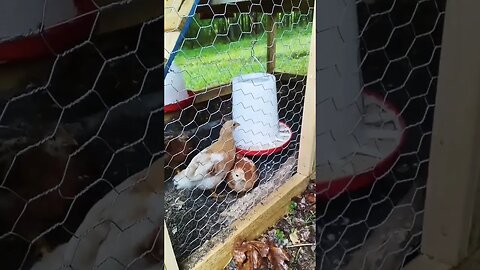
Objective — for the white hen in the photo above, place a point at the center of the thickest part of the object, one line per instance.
(118, 230)
(209, 167)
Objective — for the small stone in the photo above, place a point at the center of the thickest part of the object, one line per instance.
(303, 201)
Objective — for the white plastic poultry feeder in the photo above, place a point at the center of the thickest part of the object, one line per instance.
(32, 28)
(255, 108)
(358, 134)
(176, 96)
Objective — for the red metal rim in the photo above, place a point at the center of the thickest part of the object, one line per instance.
(352, 183)
(57, 38)
(181, 104)
(264, 152)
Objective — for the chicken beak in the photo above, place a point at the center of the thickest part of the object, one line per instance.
(236, 124)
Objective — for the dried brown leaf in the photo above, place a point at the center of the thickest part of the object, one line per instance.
(239, 256)
(250, 264)
(250, 255)
(278, 257)
(262, 248)
(310, 197)
(255, 255)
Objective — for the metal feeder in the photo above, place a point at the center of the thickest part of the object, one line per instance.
(359, 134)
(255, 108)
(35, 30)
(176, 96)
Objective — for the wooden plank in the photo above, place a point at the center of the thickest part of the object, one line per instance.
(226, 89)
(454, 170)
(306, 158)
(173, 22)
(228, 7)
(472, 263)
(223, 2)
(422, 262)
(259, 220)
(170, 260)
(475, 233)
(169, 41)
(271, 44)
(171, 5)
(217, 91)
(126, 15)
(16, 76)
(175, 15)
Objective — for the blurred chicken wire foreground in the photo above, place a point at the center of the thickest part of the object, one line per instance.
(378, 68)
(232, 132)
(81, 124)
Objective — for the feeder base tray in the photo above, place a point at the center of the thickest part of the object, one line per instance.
(383, 129)
(182, 104)
(268, 148)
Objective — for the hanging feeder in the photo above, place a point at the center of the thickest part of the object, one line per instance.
(255, 108)
(39, 28)
(176, 96)
(359, 134)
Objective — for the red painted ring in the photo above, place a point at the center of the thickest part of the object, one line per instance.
(352, 183)
(57, 38)
(181, 104)
(270, 151)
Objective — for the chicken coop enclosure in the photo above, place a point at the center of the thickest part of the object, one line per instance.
(81, 122)
(86, 180)
(245, 61)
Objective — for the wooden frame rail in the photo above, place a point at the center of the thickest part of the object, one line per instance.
(452, 220)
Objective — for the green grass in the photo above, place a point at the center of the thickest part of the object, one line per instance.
(218, 63)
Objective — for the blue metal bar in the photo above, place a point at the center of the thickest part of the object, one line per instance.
(183, 33)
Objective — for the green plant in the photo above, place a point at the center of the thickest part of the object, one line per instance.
(292, 207)
(310, 217)
(279, 234)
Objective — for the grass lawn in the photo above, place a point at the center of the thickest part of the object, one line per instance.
(218, 63)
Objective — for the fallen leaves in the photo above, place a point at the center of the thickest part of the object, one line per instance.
(277, 258)
(294, 237)
(256, 255)
(310, 197)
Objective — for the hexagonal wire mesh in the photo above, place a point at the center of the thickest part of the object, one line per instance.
(378, 63)
(244, 43)
(80, 115)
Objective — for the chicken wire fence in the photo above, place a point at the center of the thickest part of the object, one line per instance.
(81, 128)
(378, 66)
(246, 62)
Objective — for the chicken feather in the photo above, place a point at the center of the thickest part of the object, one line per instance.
(121, 226)
(209, 167)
